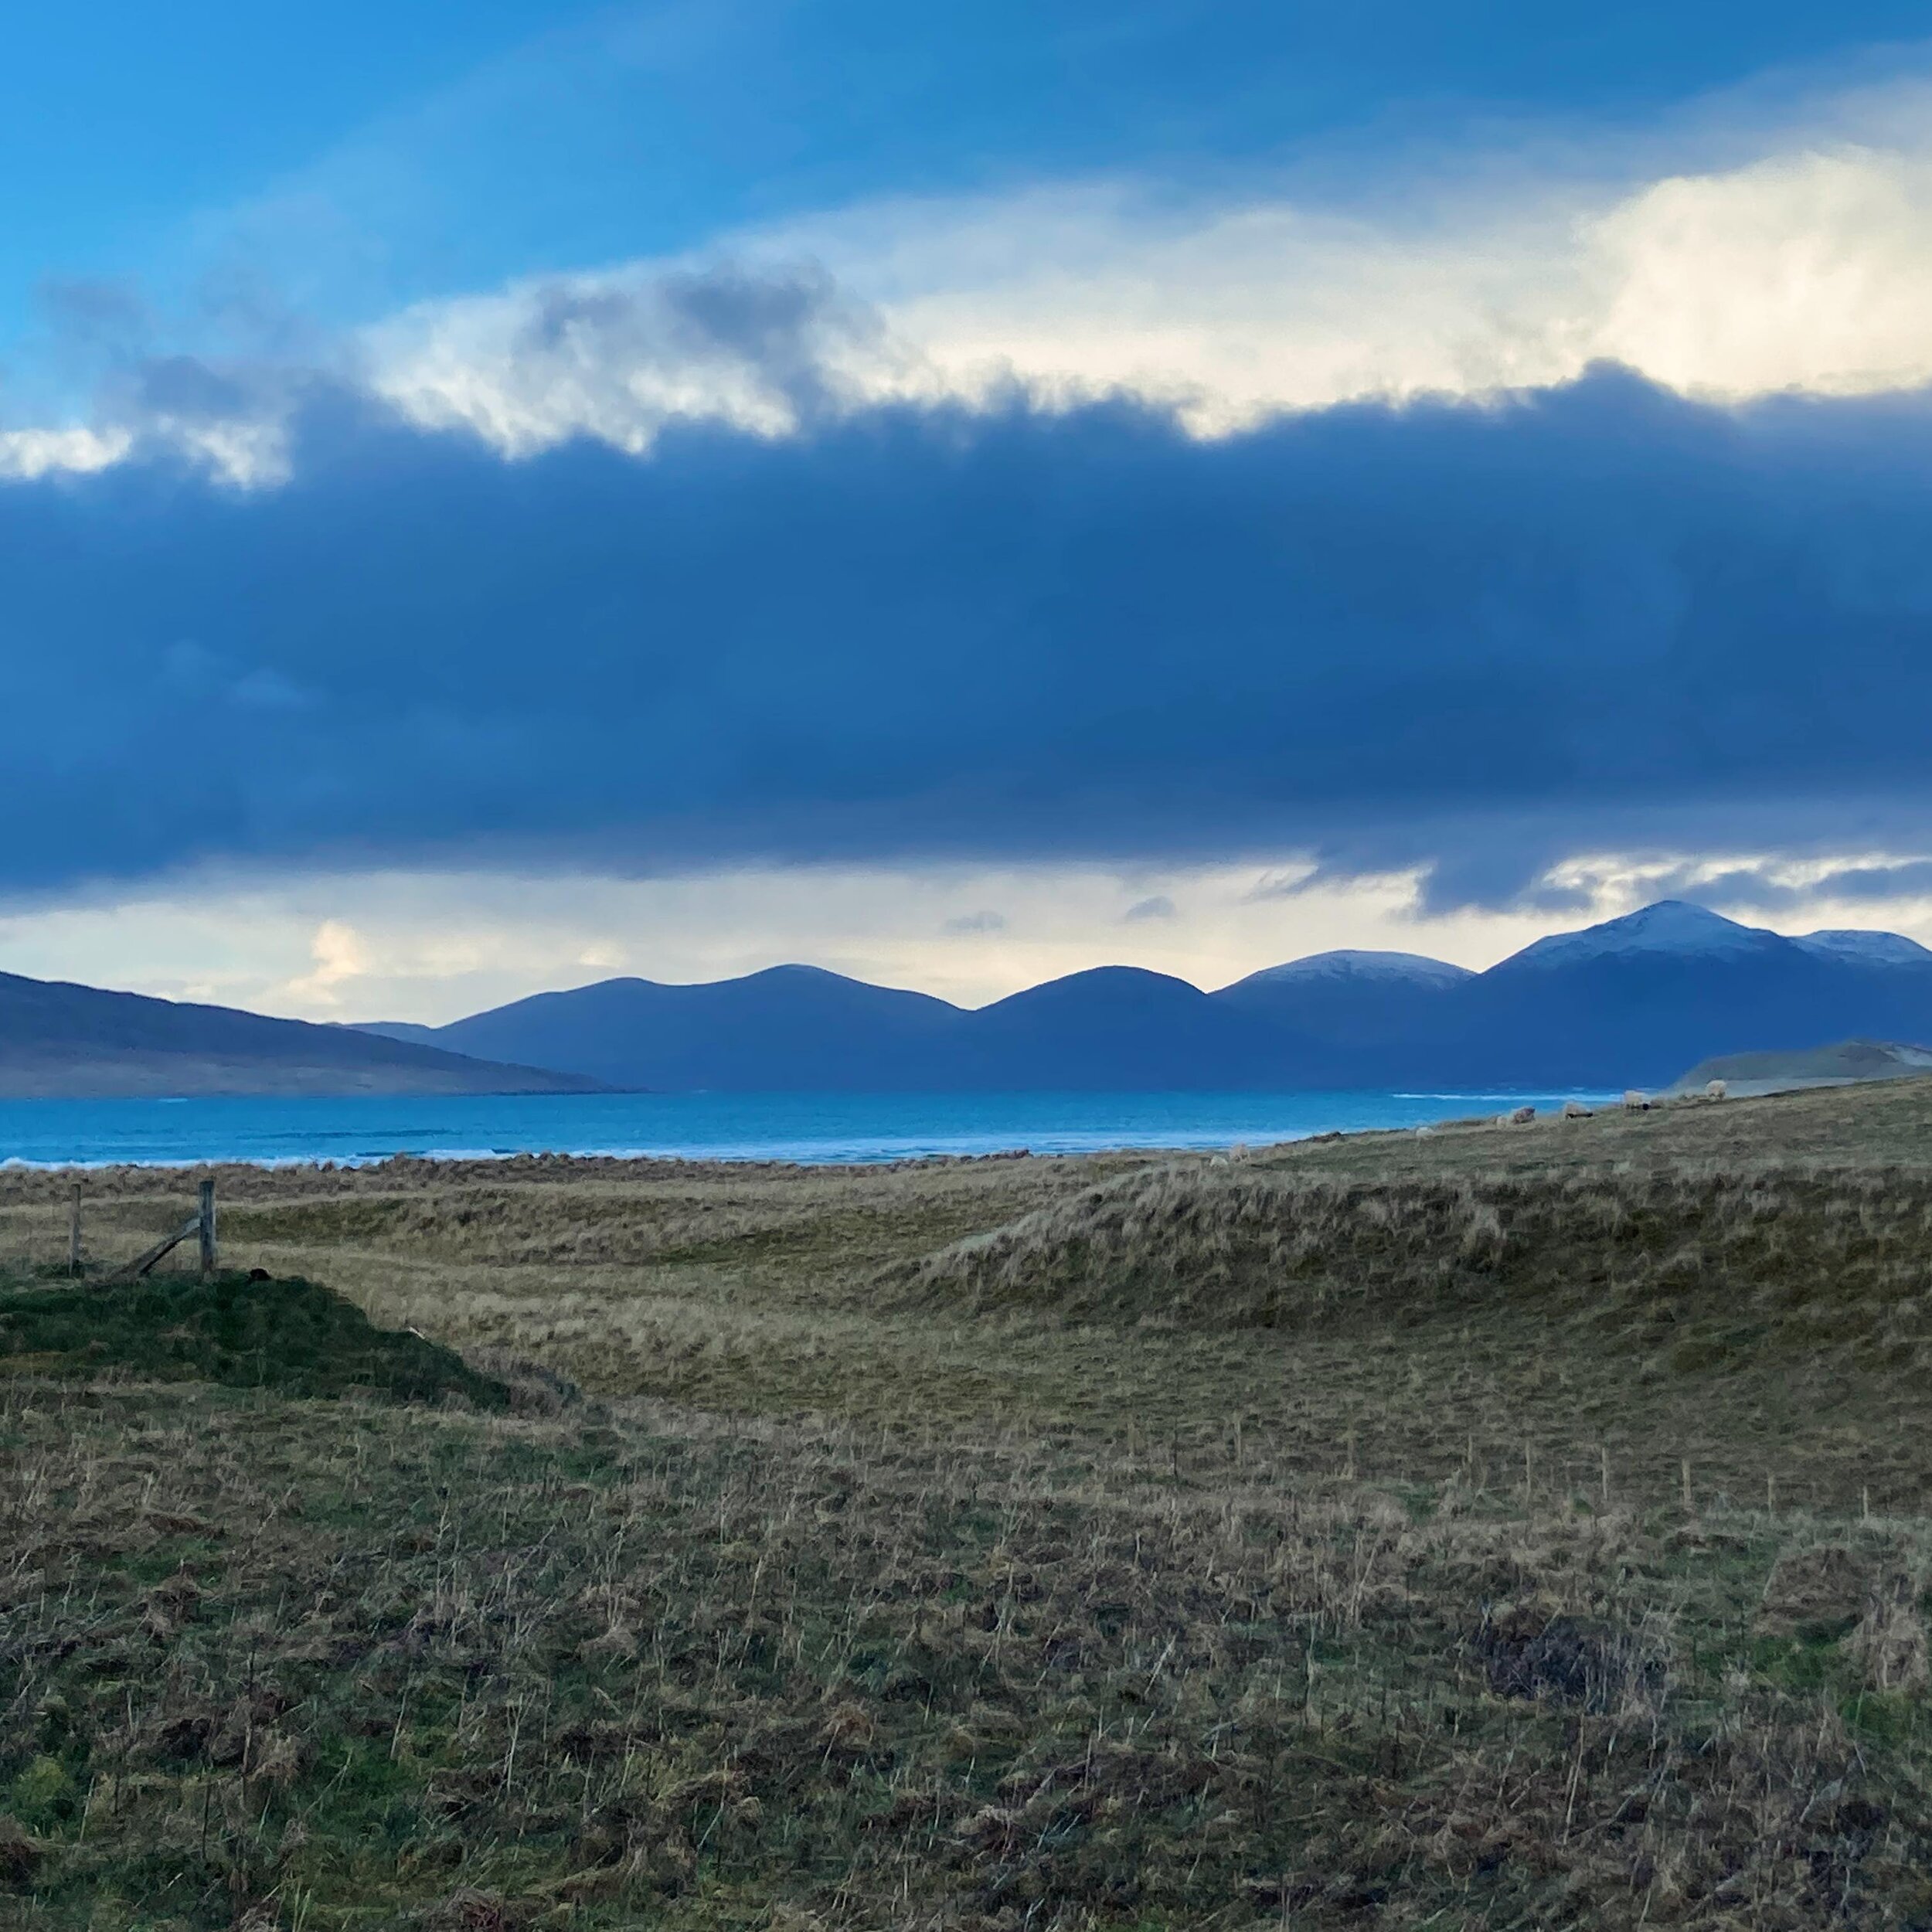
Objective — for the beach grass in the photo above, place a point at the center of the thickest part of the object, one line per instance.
(1498, 1527)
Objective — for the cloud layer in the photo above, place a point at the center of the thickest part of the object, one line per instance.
(1477, 636)
(1725, 265)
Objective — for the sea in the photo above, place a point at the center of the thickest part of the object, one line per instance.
(810, 1128)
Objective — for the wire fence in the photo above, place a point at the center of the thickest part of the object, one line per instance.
(75, 1235)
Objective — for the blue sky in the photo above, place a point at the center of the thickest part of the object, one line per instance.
(911, 488)
(350, 159)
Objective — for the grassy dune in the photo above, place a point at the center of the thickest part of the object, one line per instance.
(1492, 1527)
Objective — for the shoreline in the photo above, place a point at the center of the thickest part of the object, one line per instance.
(793, 1130)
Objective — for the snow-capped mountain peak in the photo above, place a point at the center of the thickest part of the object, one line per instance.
(1412, 969)
(1670, 926)
(1873, 948)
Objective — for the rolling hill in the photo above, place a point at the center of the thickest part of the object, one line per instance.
(60, 1040)
(1363, 998)
(790, 1027)
(1842, 1065)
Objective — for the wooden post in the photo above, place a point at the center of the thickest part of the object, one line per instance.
(74, 1232)
(207, 1229)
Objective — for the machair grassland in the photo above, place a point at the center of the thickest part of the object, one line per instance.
(1495, 1528)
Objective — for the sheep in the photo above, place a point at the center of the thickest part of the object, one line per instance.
(1522, 1117)
(1717, 1090)
(1637, 1103)
(1575, 1111)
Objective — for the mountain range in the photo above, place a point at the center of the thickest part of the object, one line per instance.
(1631, 1001)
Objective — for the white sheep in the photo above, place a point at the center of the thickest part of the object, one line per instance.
(1717, 1090)
(1636, 1103)
(1575, 1111)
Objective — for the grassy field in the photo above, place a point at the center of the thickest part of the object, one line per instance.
(1494, 1527)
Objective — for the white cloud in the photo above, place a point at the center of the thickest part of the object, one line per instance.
(610, 356)
(340, 955)
(27, 454)
(1811, 271)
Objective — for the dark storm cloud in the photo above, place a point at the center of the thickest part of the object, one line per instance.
(1475, 637)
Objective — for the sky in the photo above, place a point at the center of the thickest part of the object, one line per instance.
(494, 496)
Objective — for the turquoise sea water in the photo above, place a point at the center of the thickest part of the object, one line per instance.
(735, 1126)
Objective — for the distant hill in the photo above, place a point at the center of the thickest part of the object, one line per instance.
(790, 1027)
(60, 1040)
(403, 1029)
(1630, 1002)
(1118, 1027)
(1874, 949)
(1840, 1065)
(1361, 999)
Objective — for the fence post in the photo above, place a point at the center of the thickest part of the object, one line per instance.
(74, 1232)
(207, 1229)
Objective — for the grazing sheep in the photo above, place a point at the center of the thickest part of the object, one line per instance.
(1522, 1117)
(1574, 1110)
(1717, 1090)
(1637, 1103)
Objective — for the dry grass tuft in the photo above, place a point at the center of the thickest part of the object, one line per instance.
(1888, 1644)
(1824, 1260)
(1818, 1590)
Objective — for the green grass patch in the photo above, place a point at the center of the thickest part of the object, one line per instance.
(294, 1337)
